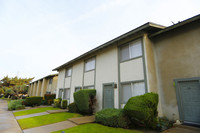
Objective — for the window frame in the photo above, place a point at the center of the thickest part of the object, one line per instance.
(129, 50)
(77, 88)
(67, 72)
(86, 87)
(50, 81)
(87, 61)
(65, 95)
(131, 83)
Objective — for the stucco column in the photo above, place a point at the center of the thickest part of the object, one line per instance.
(44, 87)
(38, 88)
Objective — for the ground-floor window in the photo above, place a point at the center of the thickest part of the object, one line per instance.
(60, 93)
(131, 89)
(66, 94)
(77, 88)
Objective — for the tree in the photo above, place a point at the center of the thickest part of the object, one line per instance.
(14, 86)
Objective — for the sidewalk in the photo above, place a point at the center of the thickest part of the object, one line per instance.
(51, 127)
(8, 123)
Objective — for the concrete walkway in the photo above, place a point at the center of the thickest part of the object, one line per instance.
(8, 123)
(51, 127)
(182, 129)
(82, 120)
(31, 115)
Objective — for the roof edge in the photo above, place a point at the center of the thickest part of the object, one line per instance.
(179, 24)
(140, 28)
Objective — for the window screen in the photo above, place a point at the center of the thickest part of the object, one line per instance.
(131, 50)
(132, 89)
(124, 53)
(90, 64)
(68, 72)
(66, 94)
(135, 49)
(126, 93)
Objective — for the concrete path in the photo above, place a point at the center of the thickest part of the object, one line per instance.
(57, 111)
(8, 123)
(51, 127)
(182, 129)
(82, 120)
(31, 115)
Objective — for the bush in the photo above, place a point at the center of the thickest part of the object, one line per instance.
(49, 98)
(85, 100)
(164, 124)
(18, 106)
(32, 101)
(73, 108)
(112, 117)
(142, 110)
(57, 103)
(15, 104)
(64, 104)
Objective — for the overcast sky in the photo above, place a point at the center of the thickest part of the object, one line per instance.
(37, 36)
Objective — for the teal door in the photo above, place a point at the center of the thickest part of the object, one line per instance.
(108, 96)
(189, 101)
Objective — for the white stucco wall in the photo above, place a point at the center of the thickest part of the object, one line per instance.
(132, 70)
(106, 72)
(67, 82)
(89, 78)
(77, 78)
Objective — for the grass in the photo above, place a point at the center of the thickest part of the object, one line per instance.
(96, 128)
(33, 111)
(45, 119)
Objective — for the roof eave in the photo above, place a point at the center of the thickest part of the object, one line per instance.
(138, 29)
(184, 22)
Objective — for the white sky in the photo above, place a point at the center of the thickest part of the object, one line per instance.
(37, 36)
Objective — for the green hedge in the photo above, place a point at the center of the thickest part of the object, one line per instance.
(49, 98)
(57, 103)
(142, 110)
(73, 108)
(64, 104)
(15, 104)
(34, 100)
(84, 99)
(112, 117)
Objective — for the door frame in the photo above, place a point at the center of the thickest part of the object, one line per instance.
(113, 86)
(178, 96)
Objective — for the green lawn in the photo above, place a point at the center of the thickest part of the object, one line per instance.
(45, 119)
(33, 111)
(96, 128)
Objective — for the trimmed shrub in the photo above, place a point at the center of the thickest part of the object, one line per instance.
(49, 98)
(57, 103)
(15, 104)
(64, 104)
(112, 117)
(32, 101)
(142, 110)
(164, 124)
(18, 106)
(85, 100)
(73, 108)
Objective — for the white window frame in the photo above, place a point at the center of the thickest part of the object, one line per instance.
(88, 63)
(135, 42)
(89, 87)
(68, 72)
(132, 86)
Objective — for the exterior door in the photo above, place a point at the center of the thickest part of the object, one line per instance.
(189, 101)
(108, 96)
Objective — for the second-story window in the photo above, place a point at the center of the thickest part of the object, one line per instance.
(68, 72)
(131, 50)
(50, 81)
(90, 64)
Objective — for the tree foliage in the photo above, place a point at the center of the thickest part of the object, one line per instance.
(14, 86)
